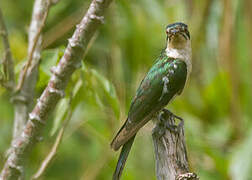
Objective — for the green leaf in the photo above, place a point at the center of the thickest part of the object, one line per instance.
(106, 92)
(78, 93)
(102, 89)
(64, 105)
(60, 114)
(49, 59)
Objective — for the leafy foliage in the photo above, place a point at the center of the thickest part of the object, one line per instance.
(216, 104)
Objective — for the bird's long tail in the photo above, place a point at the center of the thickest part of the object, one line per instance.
(122, 158)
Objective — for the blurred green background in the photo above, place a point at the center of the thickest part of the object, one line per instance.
(216, 104)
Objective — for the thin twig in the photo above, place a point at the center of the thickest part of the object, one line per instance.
(70, 61)
(50, 156)
(24, 98)
(8, 80)
(62, 27)
(36, 38)
(55, 147)
(91, 42)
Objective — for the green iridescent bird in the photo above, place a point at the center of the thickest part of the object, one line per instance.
(163, 82)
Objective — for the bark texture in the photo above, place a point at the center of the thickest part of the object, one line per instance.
(170, 150)
(70, 61)
(23, 98)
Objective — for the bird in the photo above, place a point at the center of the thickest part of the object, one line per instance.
(165, 80)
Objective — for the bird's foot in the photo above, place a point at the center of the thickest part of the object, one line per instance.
(167, 118)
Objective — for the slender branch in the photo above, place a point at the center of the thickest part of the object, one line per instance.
(170, 150)
(40, 23)
(23, 99)
(8, 80)
(50, 156)
(70, 61)
(55, 147)
(62, 27)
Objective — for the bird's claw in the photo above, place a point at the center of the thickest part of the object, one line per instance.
(171, 127)
(160, 132)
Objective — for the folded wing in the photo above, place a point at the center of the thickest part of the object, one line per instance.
(164, 80)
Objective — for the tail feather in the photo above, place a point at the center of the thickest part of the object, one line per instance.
(122, 158)
(114, 143)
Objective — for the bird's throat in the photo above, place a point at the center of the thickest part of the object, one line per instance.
(183, 54)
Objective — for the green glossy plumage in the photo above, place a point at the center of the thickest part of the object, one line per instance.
(152, 95)
(165, 79)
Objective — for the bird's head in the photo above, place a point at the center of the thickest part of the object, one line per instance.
(178, 36)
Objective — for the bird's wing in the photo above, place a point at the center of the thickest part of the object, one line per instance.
(164, 80)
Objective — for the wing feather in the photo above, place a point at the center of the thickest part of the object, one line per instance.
(164, 80)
